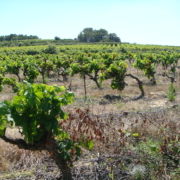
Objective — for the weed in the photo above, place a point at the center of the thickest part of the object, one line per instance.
(171, 93)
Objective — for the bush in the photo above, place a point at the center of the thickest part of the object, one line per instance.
(170, 94)
(51, 49)
(123, 50)
(57, 38)
(32, 52)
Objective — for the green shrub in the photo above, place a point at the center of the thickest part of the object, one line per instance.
(171, 93)
(51, 49)
(32, 52)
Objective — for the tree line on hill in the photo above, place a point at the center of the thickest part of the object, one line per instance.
(93, 35)
(87, 35)
(13, 37)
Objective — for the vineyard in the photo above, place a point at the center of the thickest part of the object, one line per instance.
(111, 110)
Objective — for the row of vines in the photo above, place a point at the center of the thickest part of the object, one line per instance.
(95, 62)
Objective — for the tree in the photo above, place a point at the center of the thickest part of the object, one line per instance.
(113, 37)
(81, 37)
(13, 37)
(90, 35)
(57, 38)
(2, 38)
(99, 35)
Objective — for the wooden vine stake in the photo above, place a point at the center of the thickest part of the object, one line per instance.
(85, 92)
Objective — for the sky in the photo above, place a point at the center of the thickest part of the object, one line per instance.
(134, 21)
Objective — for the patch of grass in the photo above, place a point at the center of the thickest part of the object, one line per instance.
(14, 159)
(119, 105)
(171, 93)
(16, 174)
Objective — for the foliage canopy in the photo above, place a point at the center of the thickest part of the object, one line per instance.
(91, 35)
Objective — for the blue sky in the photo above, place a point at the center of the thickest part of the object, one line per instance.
(134, 21)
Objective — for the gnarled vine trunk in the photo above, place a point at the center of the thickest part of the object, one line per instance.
(140, 84)
(51, 147)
